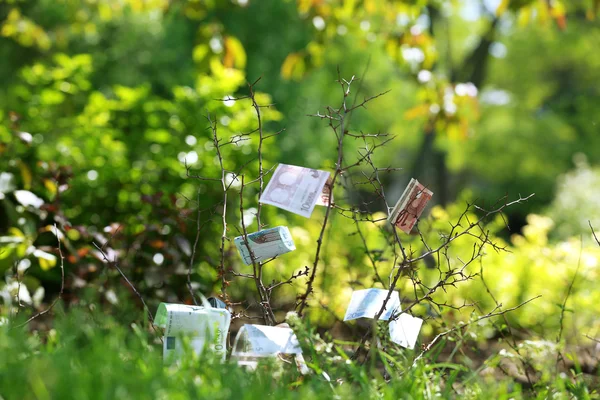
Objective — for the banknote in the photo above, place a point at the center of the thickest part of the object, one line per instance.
(265, 244)
(410, 206)
(254, 342)
(405, 329)
(295, 189)
(366, 303)
(265, 341)
(326, 193)
(206, 327)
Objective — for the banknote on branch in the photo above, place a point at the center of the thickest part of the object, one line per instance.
(367, 303)
(326, 194)
(409, 208)
(265, 244)
(259, 341)
(205, 326)
(405, 329)
(295, 189)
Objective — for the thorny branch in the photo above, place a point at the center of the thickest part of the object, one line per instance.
(193, 256)
(221, 270)
(115, 264)
(512, 343)
(219, 143)
(259, 151)
(491, 314)
(407, 262)
(594, 233)
(336, 119)
(62, 283)
(405, 259)
(265, 300)
(563, 307)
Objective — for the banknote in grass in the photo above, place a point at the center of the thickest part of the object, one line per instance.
(256, 342)
(204, 326)
(410, 206)
(297, 189)
(265, 244)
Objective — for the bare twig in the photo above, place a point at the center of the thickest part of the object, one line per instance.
(563, 307)
(491, 314)
(288, 281)
(225, 187)
(193, 256)
(592, 339)
(263, 293)
(62, 283)
(337, 123)
(115, 264)
(259, 151)
(594, 233)
(511, 339)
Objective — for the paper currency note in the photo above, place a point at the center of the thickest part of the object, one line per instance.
(405, 330)
(265, 244)
(265, 341)
(367, 303)
(295, 189)
(206, 327)
(326, 193)
(410, 206)
(254, 342)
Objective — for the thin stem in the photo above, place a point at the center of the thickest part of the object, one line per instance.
(193, 256)
(259, 152)
(265, 301)
(62, 283)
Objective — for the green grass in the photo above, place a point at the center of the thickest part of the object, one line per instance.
(89, 355)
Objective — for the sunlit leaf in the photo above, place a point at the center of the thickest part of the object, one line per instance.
(235, 55)
(51, 186)
(416, 112)
(46, 260)
(502, 7)
(200, 52)
(158, 135)
(7, 183)
(293, 66)
(27, 198)
(5, 251)
(25, 174)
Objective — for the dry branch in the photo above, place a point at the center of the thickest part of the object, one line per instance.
(62, 283)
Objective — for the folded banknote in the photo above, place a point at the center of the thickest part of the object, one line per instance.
(410, 206)
(206, 328)
(265, 244)
(405, 329)
(367, 303)
(254, 342)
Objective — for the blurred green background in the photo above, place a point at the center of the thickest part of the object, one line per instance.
(102, 102)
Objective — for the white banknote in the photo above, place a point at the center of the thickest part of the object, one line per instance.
(254, 342)
(265, 244)
(366, 303)
(295, 189)
(206, 327)
(264, 341)
(405, 330)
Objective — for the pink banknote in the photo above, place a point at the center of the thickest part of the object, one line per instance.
(409, 208)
